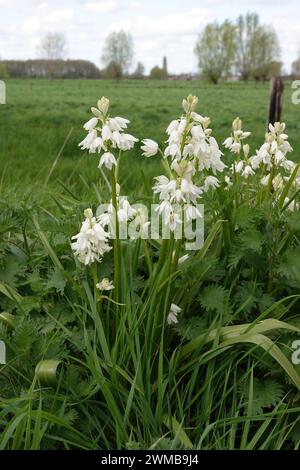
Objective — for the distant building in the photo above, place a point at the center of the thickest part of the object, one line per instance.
(232, 78)
(182, 76)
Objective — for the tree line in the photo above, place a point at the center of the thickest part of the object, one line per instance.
(244, 49)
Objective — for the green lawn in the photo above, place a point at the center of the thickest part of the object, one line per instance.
(40, 113)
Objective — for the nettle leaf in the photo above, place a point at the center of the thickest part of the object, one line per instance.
(267, 393)
(59, 239)
(71, 416)
(246, 294)
(265, 301)
(292, 220)
(35, 281)
(215, 298)
(30, 303)
(207, 269)
(56, 281)
(234, 257)
(24, 336)
(252, 294)
(289, 267)
(295, 433)
(216, 272)
(251, 240)
(246, 216)
(11, 270)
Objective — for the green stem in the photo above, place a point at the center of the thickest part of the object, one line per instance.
(248, 192)
(116, 242)
(95, 279)
(270, 181)
(148, 259)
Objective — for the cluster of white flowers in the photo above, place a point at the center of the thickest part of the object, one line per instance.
(191, 149)
(91, 243)
(273, 152)
(271, 157)
(106, 134)
(278, 182)
(235, 145)
(139, 226)
(190, 139)
(234, 142)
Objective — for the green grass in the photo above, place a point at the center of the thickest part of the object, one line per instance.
(40, 113)
(85, 372)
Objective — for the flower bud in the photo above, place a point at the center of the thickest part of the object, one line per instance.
(190, 103)
(237, 124)
(246, 150)
(103, 105)
(96, 112)
(205, 122)
(88, 213)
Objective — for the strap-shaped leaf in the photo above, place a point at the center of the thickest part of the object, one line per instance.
(46, 371)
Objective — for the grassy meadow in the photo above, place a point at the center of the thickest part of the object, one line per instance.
(40, 113)
(180, 349)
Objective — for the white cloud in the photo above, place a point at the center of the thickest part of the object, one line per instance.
(53, 21)
(59, 16)
(109, 6)
(43, 6)
(31, 25)
(175, 24)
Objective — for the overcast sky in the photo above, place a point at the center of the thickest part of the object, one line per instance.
(158, 27)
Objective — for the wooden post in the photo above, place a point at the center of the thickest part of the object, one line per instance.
(275, 108)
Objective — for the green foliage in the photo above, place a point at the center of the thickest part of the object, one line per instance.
(267, 393)
(215, 50)
(3, 71)
(221, 378)
(215, 298)
(158, 73)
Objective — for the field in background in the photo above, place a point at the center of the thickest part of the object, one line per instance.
(40, 113)
(111, 372)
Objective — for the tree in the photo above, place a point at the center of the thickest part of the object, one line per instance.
(3, 71)
(296, 67)
(257, 49)
(265, 50)
(113, 70)
(41, 68)
(247, 27)
(53, 46)
(157, 73)
(215, 50)
(118, 49)
(165, 65)
(139, 71)
(275, 68)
